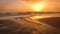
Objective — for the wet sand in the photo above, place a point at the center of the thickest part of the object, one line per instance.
(53, 21)
(12, 27)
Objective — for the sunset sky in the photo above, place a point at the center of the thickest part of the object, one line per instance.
(25, 5)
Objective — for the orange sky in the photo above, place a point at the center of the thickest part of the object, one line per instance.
(24, 5)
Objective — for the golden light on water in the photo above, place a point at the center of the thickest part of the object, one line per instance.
(38, 6)
(39, 17)
(35, 17)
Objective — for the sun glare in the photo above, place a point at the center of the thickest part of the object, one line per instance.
(38, 6)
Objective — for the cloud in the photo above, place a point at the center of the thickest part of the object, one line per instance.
(9, 4)
(20, 5)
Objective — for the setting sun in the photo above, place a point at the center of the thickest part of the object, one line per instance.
(37, 6)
